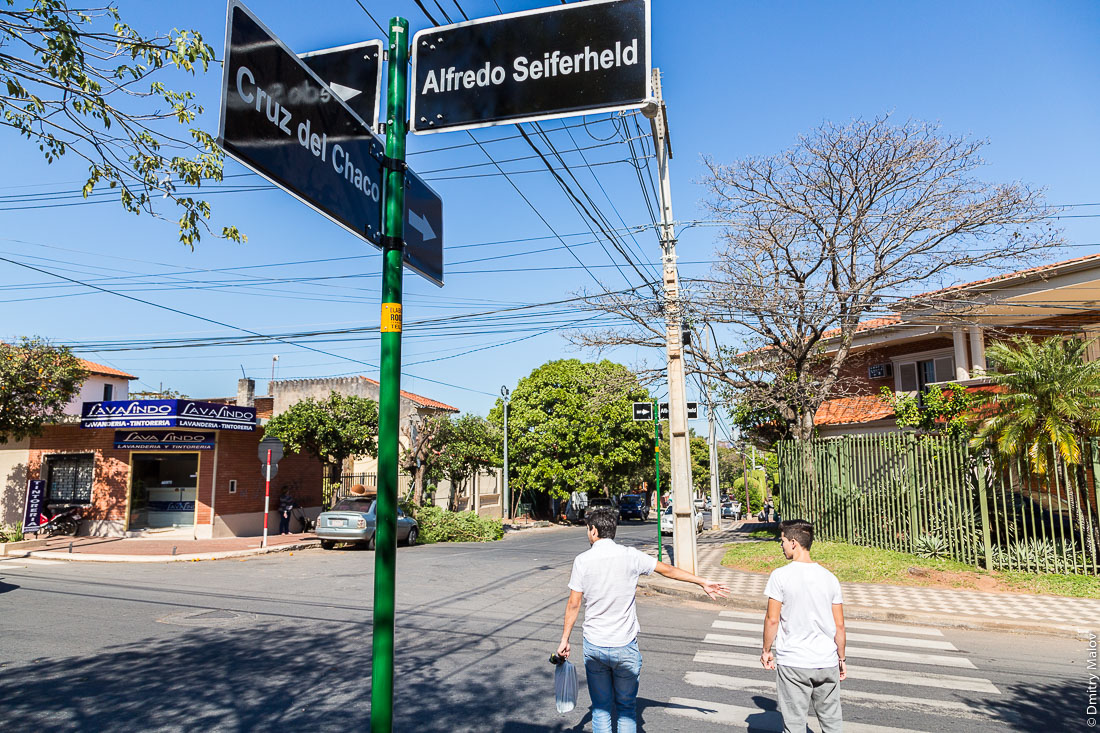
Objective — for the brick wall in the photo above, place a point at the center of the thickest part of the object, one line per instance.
(238, 459)
(111, 474)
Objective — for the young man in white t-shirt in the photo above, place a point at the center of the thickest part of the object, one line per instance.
(805, 620)
(606, 578)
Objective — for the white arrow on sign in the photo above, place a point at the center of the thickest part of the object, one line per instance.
(422, 225)
(343, 92)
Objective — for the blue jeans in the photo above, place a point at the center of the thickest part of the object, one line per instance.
(612, 673)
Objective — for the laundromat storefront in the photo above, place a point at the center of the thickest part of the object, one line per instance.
(148, 465)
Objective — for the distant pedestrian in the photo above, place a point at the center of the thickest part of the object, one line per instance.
(805, 620)
(286, 506)
(606, 578)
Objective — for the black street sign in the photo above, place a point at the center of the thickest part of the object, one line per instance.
(643, 410)
(276, 447)
(692, 410)
(559, 61)
(353, 73)
(423, 228)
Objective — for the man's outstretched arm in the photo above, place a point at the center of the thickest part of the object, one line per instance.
(712, 589)
(572, 609)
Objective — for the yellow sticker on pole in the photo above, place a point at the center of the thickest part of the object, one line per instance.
(391, 317)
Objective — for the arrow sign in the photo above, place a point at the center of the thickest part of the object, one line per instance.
(354, 73)
(423, 228)
(643, 410)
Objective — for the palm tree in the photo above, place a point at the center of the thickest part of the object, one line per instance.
(1047, 398)
(1046, 403)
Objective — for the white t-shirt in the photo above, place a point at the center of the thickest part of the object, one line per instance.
(607, 575)
(806, 627)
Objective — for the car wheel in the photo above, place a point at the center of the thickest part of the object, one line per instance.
(327, 544)
(369, 544)
(411, 539)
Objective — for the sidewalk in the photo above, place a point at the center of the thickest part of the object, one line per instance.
(943, 607)
(158, 549)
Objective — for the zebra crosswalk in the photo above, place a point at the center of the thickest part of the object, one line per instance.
(919, 678)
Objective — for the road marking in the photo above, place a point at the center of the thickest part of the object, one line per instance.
(873, 674)
(760, 720)
(849, 696)
(865, 625)
(888, 655)
(871, 638)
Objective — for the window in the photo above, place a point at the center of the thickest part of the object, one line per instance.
(913, 376)
(69, 479)
(108, 392)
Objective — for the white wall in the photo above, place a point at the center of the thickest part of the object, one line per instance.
(13, 480)
(92, 391)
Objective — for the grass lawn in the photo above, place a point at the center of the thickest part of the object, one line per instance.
(854, 564)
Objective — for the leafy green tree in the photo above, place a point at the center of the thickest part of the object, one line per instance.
(758, 487)
(571, 429)
(700, 462)
(1046, 400)
(83, 82)
(937, 410)
(37, 381)
(465, 445)
(331, 430)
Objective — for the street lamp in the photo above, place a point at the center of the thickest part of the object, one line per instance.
(507, 509)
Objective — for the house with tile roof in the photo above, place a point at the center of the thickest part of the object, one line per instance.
(940, 337)
(103, 383)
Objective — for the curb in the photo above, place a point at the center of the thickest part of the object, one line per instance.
(874, 613)
(90, 557)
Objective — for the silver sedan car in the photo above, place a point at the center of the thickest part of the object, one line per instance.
(352, 520)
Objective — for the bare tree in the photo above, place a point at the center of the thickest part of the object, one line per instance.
(415, 458)
(821, 236)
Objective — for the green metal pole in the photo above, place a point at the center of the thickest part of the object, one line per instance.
(389, 391)
(657, 459)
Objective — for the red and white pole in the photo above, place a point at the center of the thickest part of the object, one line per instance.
(267, 496)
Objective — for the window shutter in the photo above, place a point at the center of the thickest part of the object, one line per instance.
(945, 369)
(908, 374)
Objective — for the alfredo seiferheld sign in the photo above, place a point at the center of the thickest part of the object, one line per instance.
(559, 61)
(167, 414)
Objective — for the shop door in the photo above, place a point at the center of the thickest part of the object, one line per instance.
(163, 490)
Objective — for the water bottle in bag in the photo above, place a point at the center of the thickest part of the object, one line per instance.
(565, 683)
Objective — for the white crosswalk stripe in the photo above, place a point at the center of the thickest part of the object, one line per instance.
(865, 625)
(885, 655)
(892, 690)
(853, 636)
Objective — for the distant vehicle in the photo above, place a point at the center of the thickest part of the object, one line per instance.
(633, 506)
(667, 521)
(731, 510)
(353, 520)
(602, 501)
(698, 504)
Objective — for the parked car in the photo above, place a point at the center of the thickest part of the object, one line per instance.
(633, 506)
(352, 520)
(667, 521)
(731, 510)
(698, 504)
(601, 501)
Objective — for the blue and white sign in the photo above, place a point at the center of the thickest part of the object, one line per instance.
(163, 440)
(167, 414)
(32, 510)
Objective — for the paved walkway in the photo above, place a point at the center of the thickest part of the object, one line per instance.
(941, 606)
(161, 549)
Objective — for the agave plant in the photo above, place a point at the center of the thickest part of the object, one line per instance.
(930, 545)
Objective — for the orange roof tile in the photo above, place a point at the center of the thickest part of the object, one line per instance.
(1009, 275)
(866, 325)
(94, 368)
(850, 410)
(422, 401)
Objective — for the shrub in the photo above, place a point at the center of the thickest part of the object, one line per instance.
(11, 532)
(930, 545)
(439, 525)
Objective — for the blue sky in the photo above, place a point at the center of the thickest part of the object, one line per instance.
(741, 79)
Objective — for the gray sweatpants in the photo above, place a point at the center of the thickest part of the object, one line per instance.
(796, 687)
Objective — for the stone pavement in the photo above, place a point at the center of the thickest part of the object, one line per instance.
(1022, 612)
(164, 548)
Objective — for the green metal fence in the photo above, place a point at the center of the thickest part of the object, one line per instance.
(934, 496)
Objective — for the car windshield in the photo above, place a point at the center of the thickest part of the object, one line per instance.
(631, 500)
(365, 506)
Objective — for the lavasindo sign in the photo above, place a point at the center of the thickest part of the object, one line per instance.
(163, 440)
(565, 60)
(167, 414)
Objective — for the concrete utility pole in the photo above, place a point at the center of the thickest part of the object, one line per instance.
(683, 528)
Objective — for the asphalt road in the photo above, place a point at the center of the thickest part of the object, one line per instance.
(283, 641)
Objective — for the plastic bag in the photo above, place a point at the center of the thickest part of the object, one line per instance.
(565, 686)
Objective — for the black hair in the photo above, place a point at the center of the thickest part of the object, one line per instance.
(798, 530)
(604, 519)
